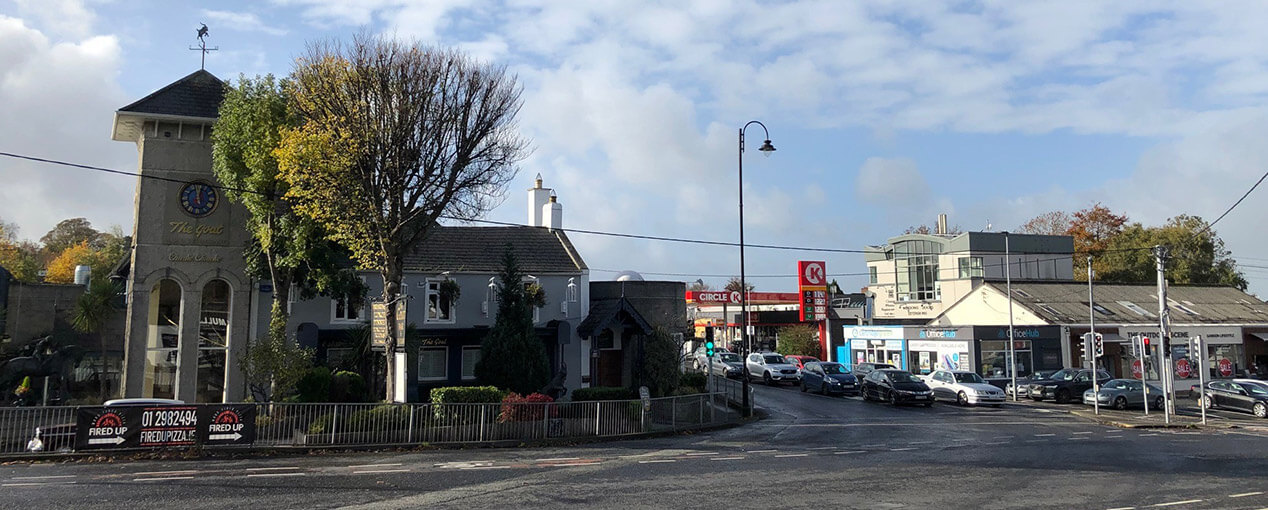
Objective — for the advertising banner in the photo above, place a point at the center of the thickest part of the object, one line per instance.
(162, 426)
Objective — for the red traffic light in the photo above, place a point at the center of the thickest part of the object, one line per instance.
(1146, 339)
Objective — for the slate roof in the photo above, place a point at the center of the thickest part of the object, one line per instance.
(196, 95)
(1066, 303)
(479, 250)
(606, 311)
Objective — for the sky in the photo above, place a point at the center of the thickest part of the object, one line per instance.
(884, 113)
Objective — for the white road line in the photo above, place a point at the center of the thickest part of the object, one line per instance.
(1244, 494)
(44, 477)
(162, 478)
(1173, 503)
(33, 484)
(1153, 434)
(154, 473)
(697, 454)
(359, 466)
(585, 463)
(272, 475)
(280, 468)
(900, 449)
(849, 452)
(554, 459)
(1078, 433)
(657, 461)
(1078, 438)
(1124, 508)
(375, 471)
(791, 455)
(729, 458)
(1044, 435)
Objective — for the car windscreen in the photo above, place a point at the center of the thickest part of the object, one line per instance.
(772, 359)
(1256, 389)
(902, 377)
(728, 357)
(834, 368)
(968, 377)
(1064, 375)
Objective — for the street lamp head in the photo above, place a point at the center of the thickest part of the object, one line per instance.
(766, 148)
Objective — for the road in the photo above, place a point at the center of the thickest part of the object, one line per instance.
(812, 451)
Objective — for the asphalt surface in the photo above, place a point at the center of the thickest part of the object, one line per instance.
(811, 451)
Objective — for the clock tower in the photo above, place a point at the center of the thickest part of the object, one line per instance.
(188, 292)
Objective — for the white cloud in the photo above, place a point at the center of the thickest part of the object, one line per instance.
(240, 21)
(60, 18)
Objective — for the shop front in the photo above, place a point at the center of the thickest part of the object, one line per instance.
(932, 349)
(1225, 352)
(1036, 348)
(873, 344)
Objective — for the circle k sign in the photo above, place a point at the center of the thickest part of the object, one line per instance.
(813, 273)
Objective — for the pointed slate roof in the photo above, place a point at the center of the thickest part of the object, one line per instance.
(605, 312)
(479, 250)
(197, 95)
(1066, 303)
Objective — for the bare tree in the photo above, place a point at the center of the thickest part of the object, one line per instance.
(392, 137)
(1056, 223)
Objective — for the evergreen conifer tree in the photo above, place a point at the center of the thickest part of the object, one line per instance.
(512, 357)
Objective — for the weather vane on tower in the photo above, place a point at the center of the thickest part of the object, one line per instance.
(202, 45)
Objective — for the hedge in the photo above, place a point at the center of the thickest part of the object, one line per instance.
(692, 380)
(467, 395)
(603, 393)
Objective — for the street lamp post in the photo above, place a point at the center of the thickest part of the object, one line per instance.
(766, 149)
(1008, 284)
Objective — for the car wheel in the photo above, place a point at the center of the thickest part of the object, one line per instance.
(1063, 396)
(803, 386)
(962, 399)
(1159, 403)
(928, 404)
(823, 389)
(1207, 402)
(1120, 403)
(863, 393)
(1260, 409)
(767, 379)
(893, 399)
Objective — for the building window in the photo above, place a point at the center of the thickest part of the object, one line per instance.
(341, 311)
(163, 340)
(995, 358)
(433, 364)
(340, 357)
(213, 341)
(470, 356)
(871, 275)
(971, 267)
(440, 308)
(916, 269)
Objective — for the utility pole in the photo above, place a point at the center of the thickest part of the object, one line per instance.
(1008, 284)
(1091, 326)
(1160, 256)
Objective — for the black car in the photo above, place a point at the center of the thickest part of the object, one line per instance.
(827, 377)
(896, 387)
(1240, 395)
(862, 369)
(1066, 385)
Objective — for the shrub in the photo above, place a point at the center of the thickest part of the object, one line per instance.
(384, 417)
(693, 380)
(603, 393)
(467, 395)
(348, 386)
(518, 408)
(314, 385)
(687, 390)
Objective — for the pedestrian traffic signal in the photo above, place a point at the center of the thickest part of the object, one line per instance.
(708, 341)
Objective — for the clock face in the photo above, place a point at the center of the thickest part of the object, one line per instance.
(199, 198)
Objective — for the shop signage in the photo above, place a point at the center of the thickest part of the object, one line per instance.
(1136, 370)
(712, 296)
(934, 345)
(378, 325)
(161, 426)
(1182, 368)
(1210, 334)
(879, 332)
(937, 333)
(1018, 333)
(1226, 367)
(812, 287)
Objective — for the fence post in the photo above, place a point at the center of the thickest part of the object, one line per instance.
(409, 438)
(700, 404)
(546, 423)
(334, 423)
(482, 408)
(673, 413)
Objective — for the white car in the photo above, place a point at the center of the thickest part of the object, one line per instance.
(964, 388)
(700, 359)
(771, 368)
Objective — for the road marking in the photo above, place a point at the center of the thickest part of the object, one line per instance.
(1078, 433)
(162, 478)
(375, 471)
(359, 466)
(791, 455)
(920, 442)
(762, 451)
(849, 452)
(1173, 503)
(33, 484)
(1244, 494)
(1124, 508)
(900, 449)
(43, 477)
(581, 463)
(728, 458)
(658, 461)
(273, 468)
(554, 459)
(697, 454)
(1153, 434)
(154, 473)
(1044, 435)
(1078, 439)
(272, 475)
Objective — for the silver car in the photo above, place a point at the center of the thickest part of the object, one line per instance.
(700, 360)
(771, 368)
(1124, 393)
(726, 364)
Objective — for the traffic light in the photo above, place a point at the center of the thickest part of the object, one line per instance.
(1166, 346)
(1149, 349)
(708, 342)
(1135, 349)
(1099, 345)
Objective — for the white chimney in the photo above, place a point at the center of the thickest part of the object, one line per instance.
(83, 274)
(553, 213)
(942, 224)
(537, 198)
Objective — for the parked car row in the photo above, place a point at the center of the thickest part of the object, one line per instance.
(1124, 393)
(1246, 395)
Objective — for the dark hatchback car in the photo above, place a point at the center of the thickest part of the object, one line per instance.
(896, 387)
(862, 369)
(828, 377)
(1066, 385)
(1238, 395)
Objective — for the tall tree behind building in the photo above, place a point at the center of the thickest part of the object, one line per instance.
(512, 357)
(392, 137)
